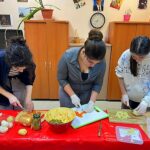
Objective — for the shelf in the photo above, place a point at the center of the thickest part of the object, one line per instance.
(81, 44)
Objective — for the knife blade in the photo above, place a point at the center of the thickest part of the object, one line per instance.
(23, 108)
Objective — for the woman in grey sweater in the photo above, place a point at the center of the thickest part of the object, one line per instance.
(81, 71)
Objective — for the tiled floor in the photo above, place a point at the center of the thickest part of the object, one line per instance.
(45, 105)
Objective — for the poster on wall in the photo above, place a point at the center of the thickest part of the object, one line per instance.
(1, 0)
(23, 11)
(98, 5)
(22, 0)
(142, 4)
(116, 4)
(79, 3)
(5, 20)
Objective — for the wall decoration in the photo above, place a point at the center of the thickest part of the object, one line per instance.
(116, 4)
(5, 20)
(97, 20)
(1, 0)
(23, 11)
(142, 4)
(98, 5)
(102, 5)
(79, 3)
(22, 0)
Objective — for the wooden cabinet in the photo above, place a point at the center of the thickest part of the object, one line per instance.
(120, 36)
(47, 40)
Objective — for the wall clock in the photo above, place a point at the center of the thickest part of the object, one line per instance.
(97, 20)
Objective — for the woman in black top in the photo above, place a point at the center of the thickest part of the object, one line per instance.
(17, 74)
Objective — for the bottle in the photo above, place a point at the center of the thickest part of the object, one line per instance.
(36, 122)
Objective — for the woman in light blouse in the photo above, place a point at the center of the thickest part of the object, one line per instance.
(133, 72)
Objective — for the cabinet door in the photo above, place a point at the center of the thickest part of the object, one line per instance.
(58, 35)
(35, 33)
(143, 29)
(121, 35)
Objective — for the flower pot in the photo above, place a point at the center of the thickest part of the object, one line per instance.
(126, 18)
(47, 13)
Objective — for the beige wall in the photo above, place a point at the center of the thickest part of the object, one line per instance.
(103, 92)
(78, 18)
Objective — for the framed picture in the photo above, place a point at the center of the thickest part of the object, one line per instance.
(5, 20)
(142, 4)
(79, 3)
(116, 4)
(23, 11)
(1, 0)
(22, 0)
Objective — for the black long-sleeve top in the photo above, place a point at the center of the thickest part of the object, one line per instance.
(27, 77)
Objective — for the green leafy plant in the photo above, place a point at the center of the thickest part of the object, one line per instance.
(128, 11)
(34, 10)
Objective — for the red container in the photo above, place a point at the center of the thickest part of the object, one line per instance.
(60, 128)
(127, 18)
(47, 13)
(60, 119)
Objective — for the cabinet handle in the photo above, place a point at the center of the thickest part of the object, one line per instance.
(50, 64)
(45, 64)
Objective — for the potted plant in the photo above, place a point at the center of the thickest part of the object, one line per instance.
(127, 15)
(41, 7)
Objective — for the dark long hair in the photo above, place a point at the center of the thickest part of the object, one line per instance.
(94, 46)
(18, 53)
(140, 46)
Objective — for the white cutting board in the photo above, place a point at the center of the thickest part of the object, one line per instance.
(88, 118)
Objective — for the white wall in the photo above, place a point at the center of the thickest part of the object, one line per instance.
(78, 18)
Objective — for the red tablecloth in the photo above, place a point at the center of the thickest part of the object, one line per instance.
(84, 138)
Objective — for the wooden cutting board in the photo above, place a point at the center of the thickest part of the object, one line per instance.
(141, 120)
(131, 118)
(144, 126)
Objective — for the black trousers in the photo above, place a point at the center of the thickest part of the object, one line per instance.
(132, 105)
